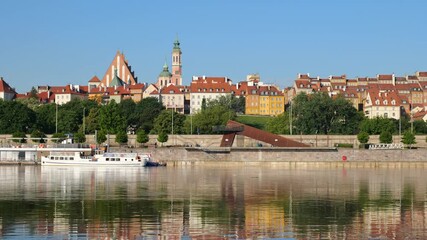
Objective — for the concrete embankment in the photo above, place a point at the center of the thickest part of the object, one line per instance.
(279, 156)
(296, 156)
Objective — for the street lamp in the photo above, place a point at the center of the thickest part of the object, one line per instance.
(84, 127)
(172, 120)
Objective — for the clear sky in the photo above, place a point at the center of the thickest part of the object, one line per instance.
(55, 42)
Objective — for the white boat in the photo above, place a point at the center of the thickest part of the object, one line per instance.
(91, 157)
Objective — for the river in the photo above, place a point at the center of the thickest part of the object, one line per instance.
(213, 202)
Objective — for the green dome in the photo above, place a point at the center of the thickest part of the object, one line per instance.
(165, 72)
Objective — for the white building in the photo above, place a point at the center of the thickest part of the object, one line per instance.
(208, 88)
(382, 104)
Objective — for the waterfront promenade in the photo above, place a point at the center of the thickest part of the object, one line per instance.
(181, 149)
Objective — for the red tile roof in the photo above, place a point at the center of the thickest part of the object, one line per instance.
(385, 76)
(303, 76)
(94, 79)
(210, 85)
(4, 87)
(137, 86)
(171, 89)
(384, 98)
(422, 74)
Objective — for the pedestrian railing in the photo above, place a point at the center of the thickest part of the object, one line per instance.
(386, 146)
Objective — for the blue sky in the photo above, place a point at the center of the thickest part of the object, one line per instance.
(59, 42)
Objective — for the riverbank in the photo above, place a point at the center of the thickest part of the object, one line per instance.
(273, 155)
(276, 155)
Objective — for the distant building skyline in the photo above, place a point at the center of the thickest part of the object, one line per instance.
(46, 43)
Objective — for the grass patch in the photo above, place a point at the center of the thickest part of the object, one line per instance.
(344, 145)
(254, 121)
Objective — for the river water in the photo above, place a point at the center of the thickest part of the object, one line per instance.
(212, 202)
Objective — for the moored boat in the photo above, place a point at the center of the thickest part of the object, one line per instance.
(93, 157)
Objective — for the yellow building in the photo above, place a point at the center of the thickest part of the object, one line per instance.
(264, 100)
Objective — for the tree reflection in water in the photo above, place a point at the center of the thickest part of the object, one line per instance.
(212, 202)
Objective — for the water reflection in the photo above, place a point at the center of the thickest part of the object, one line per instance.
(212, 202)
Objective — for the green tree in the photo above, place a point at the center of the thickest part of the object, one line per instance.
(58, 137)
(146, 111)
(33, 93)
(91, 121)
(46, 117)
(163, 122)
(79, 137)
(386, 137)
(203, 121)
(377, 125)
(38, 137)
(121, 137)
(420, 127)
(101, 136)
(15, 117)
(237, 104)
(19, 137)
(408, 138)
(127, 107)
(111, 119)
(278, 124)
(363, 137)
(162, 137)
(204, 104)
(142, 136)
(318, 113)
(31, 103)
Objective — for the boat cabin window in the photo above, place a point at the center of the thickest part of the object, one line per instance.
(61, 158)
(71, 158)
(118, 159)
(52, 158)
(56, 158)
(107, 159)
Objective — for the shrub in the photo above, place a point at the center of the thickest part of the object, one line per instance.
(408, 138)
(38, 136)
(163, 137)
(363, 137)
(141, 136)
(344, 145)
(121, 137)
(20, 135)
(58, 137)
(101, 137)
(386, 137)
(79, 137)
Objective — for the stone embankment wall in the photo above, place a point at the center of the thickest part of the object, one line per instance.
(180, 155)
(241, 141)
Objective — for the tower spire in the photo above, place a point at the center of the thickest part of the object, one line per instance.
(176, 63)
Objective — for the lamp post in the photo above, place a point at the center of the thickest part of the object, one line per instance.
(172, 121)
(56, 118)
(191, 124)
(290, 117)
(84, 126)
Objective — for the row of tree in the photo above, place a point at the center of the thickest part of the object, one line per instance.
(308, 114)
(86, 116)
(318, 113)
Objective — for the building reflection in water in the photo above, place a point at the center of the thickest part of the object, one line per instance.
(212, 202)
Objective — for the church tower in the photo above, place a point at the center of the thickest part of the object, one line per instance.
(164, 78)
(176, 64)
